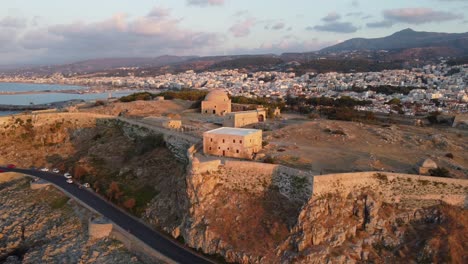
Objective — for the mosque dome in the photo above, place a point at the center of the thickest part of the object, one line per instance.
(217, 95)
(429, 163)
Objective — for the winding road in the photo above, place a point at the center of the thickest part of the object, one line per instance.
(163, 244)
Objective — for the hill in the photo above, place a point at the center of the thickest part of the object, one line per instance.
(104, 64)
(453, 43)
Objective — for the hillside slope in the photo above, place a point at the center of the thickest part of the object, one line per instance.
(406, 39)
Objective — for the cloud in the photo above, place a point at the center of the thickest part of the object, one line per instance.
(337, 27)
(418, 15)
(358, 14)
(155, 34)
(241, 13)
(278, 26)
(13, 22)
(204, 3)
(331, 17)
(380, 24)
(158, 11)
(242, 28)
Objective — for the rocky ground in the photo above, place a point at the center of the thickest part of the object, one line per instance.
(142, 108)
(362, 228)
(326, 146)
(43, 226)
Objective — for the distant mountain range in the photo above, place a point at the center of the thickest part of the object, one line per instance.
(104, 64)
(406, 46)
(406, 39)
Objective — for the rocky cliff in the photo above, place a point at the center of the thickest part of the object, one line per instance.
(362, 228)
(46, 227)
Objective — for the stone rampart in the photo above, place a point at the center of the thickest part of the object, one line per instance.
(99, 227)
(39, 184)
(45, 118)
(395, 187)
(176, 142)
(137, 246)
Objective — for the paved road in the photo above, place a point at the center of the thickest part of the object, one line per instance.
(152, 238)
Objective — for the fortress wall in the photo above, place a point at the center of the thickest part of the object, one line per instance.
(254, 167)
(135, 245)
(395, 187)
(208, 166)
(45, 118)
(98, 228)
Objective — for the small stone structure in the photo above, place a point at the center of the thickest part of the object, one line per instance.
(39, 184)
(244, 118)
(461, 121)
(276, 112)
(99, 227)
(159, 98)
(426, 166)
(232, 142)
(165, 122)
(244, 107)
(216, 102)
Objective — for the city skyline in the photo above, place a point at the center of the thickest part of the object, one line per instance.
(57, 32)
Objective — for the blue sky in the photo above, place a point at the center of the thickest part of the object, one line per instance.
(54, 31)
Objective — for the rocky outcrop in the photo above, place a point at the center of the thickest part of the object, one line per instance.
(42, 227)
(362, 228)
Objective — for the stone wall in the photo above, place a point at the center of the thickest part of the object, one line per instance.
(176, 142)
(244, 118)
(99, 228)
(137, 246)
(39, 184)
(395, 187)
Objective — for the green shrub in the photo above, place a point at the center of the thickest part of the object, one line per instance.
(144, 96)
(59, 202)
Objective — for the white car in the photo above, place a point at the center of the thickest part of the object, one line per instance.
(55, 171)
(67, 175)
(44, 169)
(69, 181)
(86, 185)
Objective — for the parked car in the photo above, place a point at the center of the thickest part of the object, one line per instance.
(69, 181)
(44, 169)
(86, 185)
(55, 171)
(67, 175)
(1, 171)
(11, 166)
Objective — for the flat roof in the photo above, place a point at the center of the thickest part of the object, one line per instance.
(233, 131)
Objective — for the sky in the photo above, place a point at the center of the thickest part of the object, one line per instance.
(64, 31)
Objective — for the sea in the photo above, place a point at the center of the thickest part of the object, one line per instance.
(49, 97)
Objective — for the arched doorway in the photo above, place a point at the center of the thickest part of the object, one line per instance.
(261, 118)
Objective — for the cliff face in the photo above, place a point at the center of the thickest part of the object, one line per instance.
(360, 227)
(245, 214)
(45, 227)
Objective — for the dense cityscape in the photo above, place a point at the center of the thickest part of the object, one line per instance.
(423, 90)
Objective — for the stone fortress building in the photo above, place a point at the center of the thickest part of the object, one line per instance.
(244, 118)
(232, 142)
(216, 102)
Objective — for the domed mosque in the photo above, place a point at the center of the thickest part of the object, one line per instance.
(216, 102)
